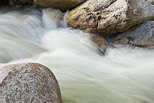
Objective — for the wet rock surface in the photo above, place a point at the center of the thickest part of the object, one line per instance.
(100, 42)
(59, 4)
(53, 14)
(28, 83)
(140, 35)
(108, 17)
(20, 2)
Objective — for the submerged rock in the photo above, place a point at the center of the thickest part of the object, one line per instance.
(108, 17)
(140, 35)
(59, 4)
(56, 15)
(20, 2)
(28, 83)
(52, 19)
(100, 42)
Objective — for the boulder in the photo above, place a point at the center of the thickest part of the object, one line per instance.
(62, 5)
(108, 17)
(100, 42)
(151, 1)
(28, 83)
(20, 2)
(141, 35)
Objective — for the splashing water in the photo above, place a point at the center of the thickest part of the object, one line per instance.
(123, 75)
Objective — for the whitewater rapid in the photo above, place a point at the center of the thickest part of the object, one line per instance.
(123, 75)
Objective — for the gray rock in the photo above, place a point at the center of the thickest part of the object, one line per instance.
(28, 83)
(108, 17)
(140, 35)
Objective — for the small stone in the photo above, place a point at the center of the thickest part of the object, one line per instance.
(100, 42)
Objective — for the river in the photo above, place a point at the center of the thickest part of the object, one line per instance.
(124, 75)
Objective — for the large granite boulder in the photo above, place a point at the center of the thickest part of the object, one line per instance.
(59, 4)
(20, 2)
(100, 42)
(109, 16)
(28, 83)
(140, 35)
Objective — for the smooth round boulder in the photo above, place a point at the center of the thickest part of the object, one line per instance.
(20, 2)
(140, 35)
(108, 17)
(62, 5)
(100, 42)
(28, 83)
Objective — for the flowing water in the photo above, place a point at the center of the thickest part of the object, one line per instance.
(123, 75)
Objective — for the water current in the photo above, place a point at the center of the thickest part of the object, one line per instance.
(123, 75)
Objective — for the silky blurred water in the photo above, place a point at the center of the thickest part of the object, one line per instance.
(123, 75)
